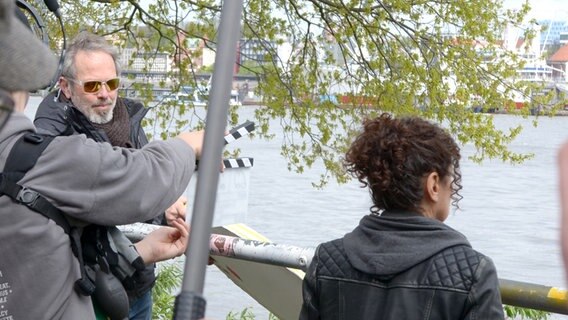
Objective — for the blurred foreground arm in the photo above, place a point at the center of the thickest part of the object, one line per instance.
(563, 185)
(164, 243)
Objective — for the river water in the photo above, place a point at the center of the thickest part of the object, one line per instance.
(509, 212)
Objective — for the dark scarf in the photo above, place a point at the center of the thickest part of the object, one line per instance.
(118, 128)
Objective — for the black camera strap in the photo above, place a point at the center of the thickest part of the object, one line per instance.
(22, 158)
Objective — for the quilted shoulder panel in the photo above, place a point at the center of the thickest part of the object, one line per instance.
(334, 262)
(454, 267)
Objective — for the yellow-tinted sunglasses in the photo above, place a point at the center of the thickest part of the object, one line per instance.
(95, 86)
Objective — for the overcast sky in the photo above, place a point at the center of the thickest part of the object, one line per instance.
(543, 9)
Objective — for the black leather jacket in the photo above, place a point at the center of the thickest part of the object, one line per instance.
(401, 267)
(57, 116)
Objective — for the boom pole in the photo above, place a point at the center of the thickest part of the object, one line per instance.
(190, 303)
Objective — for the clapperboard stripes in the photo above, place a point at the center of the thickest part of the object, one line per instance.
(234, 134)
(238, 163)
(239, 131)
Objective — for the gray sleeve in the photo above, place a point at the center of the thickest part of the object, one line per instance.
(97, 183)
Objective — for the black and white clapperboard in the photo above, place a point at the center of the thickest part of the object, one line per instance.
(231, 205)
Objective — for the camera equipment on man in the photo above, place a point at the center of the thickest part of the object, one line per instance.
(108, 260)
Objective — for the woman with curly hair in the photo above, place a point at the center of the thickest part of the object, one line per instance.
(402, 261)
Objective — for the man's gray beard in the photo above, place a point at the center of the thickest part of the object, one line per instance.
(103, 118)
(94, 117)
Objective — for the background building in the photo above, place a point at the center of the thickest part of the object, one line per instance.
(551, 30)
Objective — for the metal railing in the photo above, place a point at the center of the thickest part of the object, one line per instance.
(513, 293)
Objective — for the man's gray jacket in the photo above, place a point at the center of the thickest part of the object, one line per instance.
(92, 183)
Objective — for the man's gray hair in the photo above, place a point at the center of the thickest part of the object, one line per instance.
(86, 41)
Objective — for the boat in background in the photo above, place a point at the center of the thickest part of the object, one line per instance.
(199, 96)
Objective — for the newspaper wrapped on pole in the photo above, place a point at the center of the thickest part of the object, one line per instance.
(262, 252)
(190, 304)
(244, 249)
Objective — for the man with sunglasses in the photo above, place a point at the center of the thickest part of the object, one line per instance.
(78, 181)
(88, 103)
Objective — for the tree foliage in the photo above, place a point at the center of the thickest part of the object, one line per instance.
(168, 282)
(435, 59)
(523, 313)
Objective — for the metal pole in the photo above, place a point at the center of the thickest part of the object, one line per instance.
(533, 296)
(190, 303)
(262, 252)
(242, 249)
(513, 293)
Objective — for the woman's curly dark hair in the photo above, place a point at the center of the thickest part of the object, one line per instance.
(393, 156)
